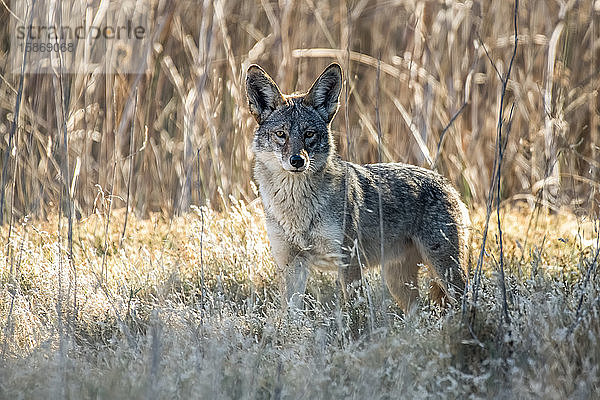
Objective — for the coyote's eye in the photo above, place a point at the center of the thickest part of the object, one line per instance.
(309, 134)
(280, 134)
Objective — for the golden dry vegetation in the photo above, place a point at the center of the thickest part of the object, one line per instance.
(188, 306)
(435, 57)
(175, 295)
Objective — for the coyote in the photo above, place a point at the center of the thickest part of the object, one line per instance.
(324, 212)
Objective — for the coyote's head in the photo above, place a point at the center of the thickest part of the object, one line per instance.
(293, 131)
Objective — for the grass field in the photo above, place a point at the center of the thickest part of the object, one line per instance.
(135, 262)
(187, 308)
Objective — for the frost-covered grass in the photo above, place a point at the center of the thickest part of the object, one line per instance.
(188, 308)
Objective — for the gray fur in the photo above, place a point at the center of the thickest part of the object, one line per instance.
(424, 220)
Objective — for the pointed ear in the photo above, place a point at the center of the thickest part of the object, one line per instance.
(263, 94)
(324, 94)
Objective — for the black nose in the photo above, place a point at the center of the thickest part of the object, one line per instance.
(297, 161)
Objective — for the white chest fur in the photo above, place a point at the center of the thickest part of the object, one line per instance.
(298, 205)
(294, 203)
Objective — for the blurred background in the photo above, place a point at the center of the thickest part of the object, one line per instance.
(179, 133)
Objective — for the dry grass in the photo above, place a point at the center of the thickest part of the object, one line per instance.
(146, 329)
(185, 305)
(191, 100)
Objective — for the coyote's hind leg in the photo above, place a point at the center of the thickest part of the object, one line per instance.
(401, 278)
(448, 273)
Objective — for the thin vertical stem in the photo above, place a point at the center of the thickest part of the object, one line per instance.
(203, 289)
(496, 179)
(380, 202)
(131, 156)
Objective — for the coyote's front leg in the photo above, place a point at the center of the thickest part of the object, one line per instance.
(292, 267)
(292, 283)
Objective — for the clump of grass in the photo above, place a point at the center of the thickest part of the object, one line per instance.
(145, 330)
